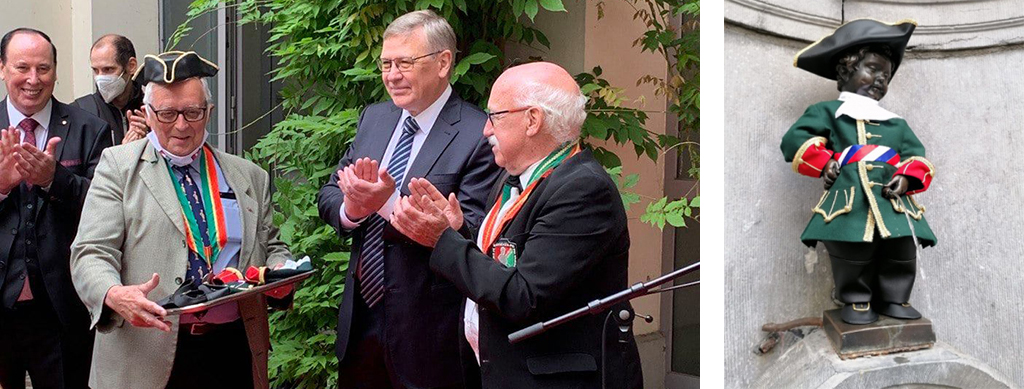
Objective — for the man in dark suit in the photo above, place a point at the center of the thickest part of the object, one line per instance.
(398, 322)
(554, 240)
(48, 151)
(118, 98)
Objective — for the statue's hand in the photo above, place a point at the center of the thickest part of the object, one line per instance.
(830, 173)
(896, 187)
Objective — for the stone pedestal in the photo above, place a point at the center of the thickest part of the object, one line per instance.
(810, 362)
(885, 336)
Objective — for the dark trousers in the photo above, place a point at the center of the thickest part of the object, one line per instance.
(220, 358)
(32, 340)
(366, 364)
(882, 270)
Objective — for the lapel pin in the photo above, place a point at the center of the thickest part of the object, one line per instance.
(64, 122)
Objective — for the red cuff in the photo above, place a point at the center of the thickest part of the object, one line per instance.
(920, 169)
(812, 157)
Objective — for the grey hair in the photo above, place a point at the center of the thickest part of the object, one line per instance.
(564, 111)
(147, 91)
(440, 35)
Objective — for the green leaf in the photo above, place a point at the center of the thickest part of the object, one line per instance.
(695, 202)
(553, 5)
(478, 58)
(676, 220)
(531, 9)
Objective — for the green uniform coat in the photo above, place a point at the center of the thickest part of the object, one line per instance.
(853, 210)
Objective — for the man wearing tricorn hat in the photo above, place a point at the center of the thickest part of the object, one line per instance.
(169, 211)
(871, 163)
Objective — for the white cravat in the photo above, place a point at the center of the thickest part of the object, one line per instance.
(862, 108)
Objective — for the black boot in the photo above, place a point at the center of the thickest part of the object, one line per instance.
(859, 313)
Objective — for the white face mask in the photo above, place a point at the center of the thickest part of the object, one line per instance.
(176, 160)
(110, 86)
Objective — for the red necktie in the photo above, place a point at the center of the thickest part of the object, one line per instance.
(28, 126)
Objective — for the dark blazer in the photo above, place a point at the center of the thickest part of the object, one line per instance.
(94, 104)
(83, 136)
(422, 309)
(572, 247)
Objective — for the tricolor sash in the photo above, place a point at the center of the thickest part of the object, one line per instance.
(217, 232)
(492, 226)
(868, 153)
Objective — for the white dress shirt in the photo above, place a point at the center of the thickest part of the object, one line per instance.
(42, 130)
(426, 120)
(471, 316)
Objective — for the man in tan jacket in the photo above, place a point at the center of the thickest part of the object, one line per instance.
(151, 222)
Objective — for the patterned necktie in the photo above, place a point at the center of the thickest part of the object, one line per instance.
(28, 127)
(371, 264)
(197, 267)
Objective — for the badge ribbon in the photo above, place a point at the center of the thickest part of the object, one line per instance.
(492, 226)
(217, 232)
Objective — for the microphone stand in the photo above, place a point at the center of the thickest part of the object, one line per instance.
(624, 318)
(599, 305)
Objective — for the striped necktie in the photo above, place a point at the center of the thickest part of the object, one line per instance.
(28, 127)
(371, 263)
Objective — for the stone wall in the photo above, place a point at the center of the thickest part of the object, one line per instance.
(965, 104)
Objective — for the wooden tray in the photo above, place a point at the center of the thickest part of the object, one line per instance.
(239, 295)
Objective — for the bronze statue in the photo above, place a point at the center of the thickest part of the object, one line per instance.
(871, 163)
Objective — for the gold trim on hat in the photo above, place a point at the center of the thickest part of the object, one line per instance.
(174, 65)
(898, 22)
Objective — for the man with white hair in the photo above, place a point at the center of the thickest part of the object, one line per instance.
(398, 323)
(554, 240)
(169, 212)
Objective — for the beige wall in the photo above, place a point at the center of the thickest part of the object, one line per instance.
(74, 24)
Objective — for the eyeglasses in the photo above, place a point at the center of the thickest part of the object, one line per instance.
(491, 115)
(404, 64)
(191, 114)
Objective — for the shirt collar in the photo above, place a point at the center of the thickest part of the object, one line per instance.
(862, 108)
(42, 117)
(524, 178)
(428, 117)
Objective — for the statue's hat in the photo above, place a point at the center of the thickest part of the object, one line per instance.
(821, 57)
(173, 66)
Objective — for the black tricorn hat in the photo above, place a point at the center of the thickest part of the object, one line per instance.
(822, 56)
(173, 66)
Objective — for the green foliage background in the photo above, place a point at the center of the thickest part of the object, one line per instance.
(325, 52)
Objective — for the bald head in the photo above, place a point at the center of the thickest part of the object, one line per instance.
(551, 88)
(537, 108)
(542, 73)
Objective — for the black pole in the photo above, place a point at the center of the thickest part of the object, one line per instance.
(597, 306)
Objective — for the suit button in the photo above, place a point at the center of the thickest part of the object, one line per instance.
(31, 224)
(177, 280)
(28, 242)
(14, 231)
(2, 264)
(29, 206)
(22, 276)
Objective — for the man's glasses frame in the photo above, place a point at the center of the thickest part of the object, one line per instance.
(491, 115)
(191, 114)
(403, 64)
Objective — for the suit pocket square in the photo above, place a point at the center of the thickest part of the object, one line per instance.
(71, 162)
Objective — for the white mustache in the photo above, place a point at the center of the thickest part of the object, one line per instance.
(492, 140)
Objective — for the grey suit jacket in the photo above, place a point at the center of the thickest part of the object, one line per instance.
(131, 228)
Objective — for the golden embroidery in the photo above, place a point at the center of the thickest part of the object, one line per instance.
(931, 168)
(900, 207)
(871, 195)
(799, 158)
(832, 213)
(869, 228)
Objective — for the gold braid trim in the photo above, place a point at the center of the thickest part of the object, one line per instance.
(830, 215)
(174, 65)
(798, 159)
(869, 228)
(898, 22)
(931, 168)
